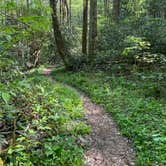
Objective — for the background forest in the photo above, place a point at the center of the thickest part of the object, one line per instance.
(113, 50)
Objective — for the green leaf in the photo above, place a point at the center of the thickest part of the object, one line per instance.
(1, 162)
(6, 97)
(10, 150)
(160, 139)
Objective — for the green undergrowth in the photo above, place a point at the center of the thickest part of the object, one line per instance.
(40, 122)
(137, 105)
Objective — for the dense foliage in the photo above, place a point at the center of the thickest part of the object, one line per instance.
(123, 41)
(136, 103)
(40, 122)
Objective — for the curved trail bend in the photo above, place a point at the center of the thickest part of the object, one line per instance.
(107, 147)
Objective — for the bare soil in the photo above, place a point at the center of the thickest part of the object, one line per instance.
(107, 146)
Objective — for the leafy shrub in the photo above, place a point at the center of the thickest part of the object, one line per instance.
(155, 32)
(138, 50)
(35, 119)
(135, 47)
(111, 37)
(150, 58)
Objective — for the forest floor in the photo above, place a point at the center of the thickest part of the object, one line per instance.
(106, 145)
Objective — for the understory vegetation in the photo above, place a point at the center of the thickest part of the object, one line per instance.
(40, 123)
(137, 103)
(113, 50)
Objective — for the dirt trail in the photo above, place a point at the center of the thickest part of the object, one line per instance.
(107, 147)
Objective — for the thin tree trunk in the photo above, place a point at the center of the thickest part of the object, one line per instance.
(85, 26)
(64, 10)
(28, 6)
(68, 12)
(70, 15)
(60, 11)
(116, 10)
(106, 8)
(92, 27)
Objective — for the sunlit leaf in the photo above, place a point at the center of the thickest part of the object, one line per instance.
(6, 97)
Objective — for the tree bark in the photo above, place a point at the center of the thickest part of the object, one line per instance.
(106, 8)
(116, 10)
(28, 6)
(60, 42)
(85, 26)
(70, 15)
(92, 27)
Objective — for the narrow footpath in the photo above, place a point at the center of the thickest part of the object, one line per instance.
(106, 145)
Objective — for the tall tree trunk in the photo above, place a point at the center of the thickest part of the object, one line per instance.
(60, 42)
(28, 6)
(92, 27)
(60, 11)
(68, 12)
(106, 8)
(153, 8)
(116, 10)
(64, 10)
(70, 15)
(85, 26)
